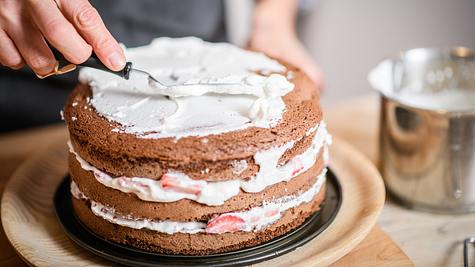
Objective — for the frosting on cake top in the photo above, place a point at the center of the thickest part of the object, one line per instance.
(211, 88)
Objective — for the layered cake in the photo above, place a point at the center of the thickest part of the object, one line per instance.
(230, 153)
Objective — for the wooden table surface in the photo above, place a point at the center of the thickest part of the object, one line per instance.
(378, 247)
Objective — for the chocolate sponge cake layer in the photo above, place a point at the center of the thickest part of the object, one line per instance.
(185, 209)
(215, 170)
(199, 243)
(124, 154)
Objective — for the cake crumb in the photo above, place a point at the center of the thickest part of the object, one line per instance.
(238, 166)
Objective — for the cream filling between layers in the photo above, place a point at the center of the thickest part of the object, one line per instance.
(175, 185)
(254, 219)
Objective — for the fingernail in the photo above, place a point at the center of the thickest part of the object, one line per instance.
(117, 60)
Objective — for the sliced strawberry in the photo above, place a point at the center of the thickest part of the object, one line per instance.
(172, 183)
(144, 186)
(225, 223)
(271, 213)
(130, 183)
(100, 176)
(123, 182)
(297, 166)
(255, 219)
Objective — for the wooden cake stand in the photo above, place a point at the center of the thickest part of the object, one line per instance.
(33, 230)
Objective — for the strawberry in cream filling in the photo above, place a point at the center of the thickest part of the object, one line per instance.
(171, 182)
(253, 219)
(225, 223)
(175, 185)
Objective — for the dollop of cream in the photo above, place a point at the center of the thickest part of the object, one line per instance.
(208, 88)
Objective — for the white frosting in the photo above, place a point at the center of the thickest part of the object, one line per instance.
(257, 218)
(269, 171)
(76, 192)
(211, 89)
(385, 76)
(175, 185)
(254, 219)
(169, 227)
(256, 85)
(239, 166)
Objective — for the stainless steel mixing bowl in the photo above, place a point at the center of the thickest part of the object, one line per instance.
(427, 128)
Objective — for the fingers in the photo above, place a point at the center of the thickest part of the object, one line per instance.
(89, 24)
(9, 55)
(313, 72)
(287, 47)
(32, 46)
(296, 54)
(59, 31)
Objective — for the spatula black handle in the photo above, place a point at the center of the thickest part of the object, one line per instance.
(92, 62)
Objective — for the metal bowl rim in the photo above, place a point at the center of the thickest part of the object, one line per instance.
(440, 112)
(430, 53)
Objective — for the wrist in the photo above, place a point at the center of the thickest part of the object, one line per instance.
(275, 17)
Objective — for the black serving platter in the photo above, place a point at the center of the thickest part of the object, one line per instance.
(278, 246)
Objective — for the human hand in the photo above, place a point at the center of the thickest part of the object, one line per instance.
(274, 33)
(288, 48)
(73, 27)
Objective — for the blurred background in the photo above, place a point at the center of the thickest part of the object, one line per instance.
(348, 38)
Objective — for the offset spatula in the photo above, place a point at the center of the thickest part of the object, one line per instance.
(64, 66)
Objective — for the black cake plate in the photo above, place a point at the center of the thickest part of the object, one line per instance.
(278, 246)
